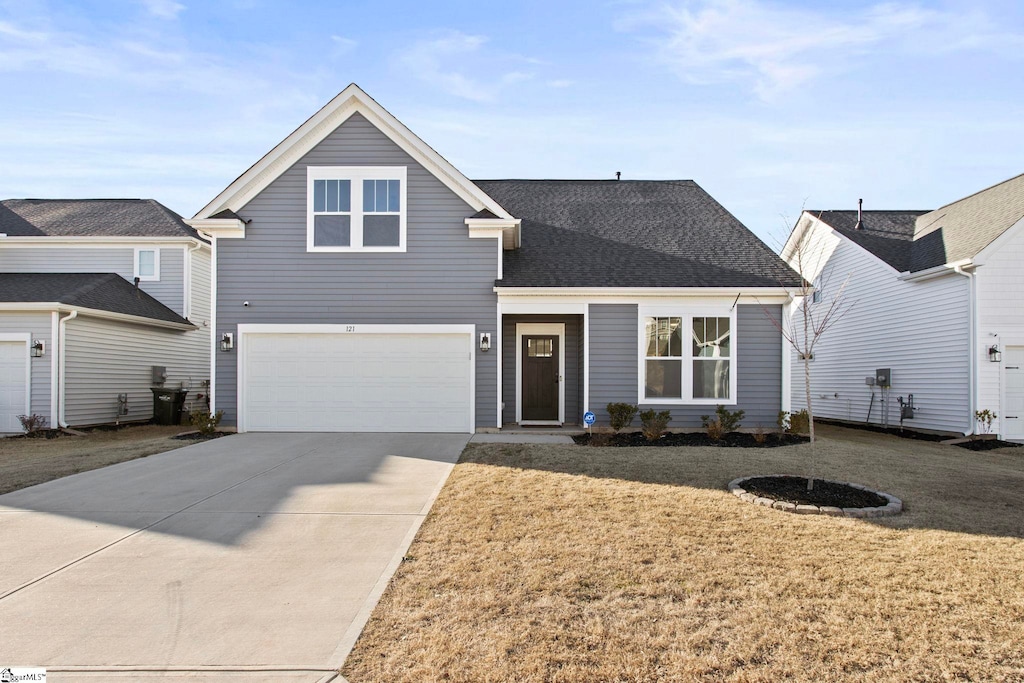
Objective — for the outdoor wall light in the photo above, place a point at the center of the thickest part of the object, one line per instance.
(227, 341)
(38, 348)
(994, 355)
(485, 341)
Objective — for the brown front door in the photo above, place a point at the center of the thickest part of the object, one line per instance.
(540, 377)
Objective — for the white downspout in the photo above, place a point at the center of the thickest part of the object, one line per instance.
(62, 368)
(972, 366)
(186, 304)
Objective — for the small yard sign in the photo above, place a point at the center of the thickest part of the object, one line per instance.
(589, 418)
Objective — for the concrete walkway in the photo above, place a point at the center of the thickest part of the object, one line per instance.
(256, 557)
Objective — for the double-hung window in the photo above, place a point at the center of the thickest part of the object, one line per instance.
(356, 208)
(686, 357)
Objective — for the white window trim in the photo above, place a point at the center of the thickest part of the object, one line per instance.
(687, 313)
(357, 174)
(528, 329)
(155, 277)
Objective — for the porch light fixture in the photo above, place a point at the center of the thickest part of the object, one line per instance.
(227, 341)
(994, 355)
(38, 348)
(485, 341)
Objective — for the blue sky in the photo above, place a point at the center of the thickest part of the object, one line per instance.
(770, 106)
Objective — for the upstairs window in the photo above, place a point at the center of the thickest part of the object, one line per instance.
(147, 265)
(356, 208)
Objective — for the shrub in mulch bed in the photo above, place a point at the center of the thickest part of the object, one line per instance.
(791, 489)
(986, 444)
(730, 440)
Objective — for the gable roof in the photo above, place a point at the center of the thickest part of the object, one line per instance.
(99, 291)
(963, 228)
(90, 218)
(912, 241)
(889, 235)
(349, 101)
(630, 233)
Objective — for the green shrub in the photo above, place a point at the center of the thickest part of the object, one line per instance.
(799, 422)
(722, 423)
(205, 422)
(653, 424)
(621, 415)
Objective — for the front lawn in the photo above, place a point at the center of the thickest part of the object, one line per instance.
(569, 563)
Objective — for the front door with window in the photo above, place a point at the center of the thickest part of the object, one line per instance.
(540, 377)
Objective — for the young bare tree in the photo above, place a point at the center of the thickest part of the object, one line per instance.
(818, 308)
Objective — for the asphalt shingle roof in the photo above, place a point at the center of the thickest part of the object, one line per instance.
(918, 240)
(630, 233)
(90, 218)
(889, 235)
(101, 291)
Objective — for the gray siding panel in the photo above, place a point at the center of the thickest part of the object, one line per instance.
(444, 277)
(169, 290)
(39, 326)
(614, 365)
(106, 358)
(573, 363)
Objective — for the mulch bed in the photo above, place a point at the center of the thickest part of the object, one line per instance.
(904, 433)
(38, 434)
(730, 440)
(986, 444)
(196, 436)
(825, 493)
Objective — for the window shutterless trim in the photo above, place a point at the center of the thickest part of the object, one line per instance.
(687, 313)
(356, 174)
(155, 277)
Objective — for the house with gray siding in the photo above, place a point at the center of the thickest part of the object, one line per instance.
(93, 294)
(362, 283)
(937, 300)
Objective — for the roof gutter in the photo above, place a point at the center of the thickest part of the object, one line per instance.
(96, 313)
(954, 268)
(61, 368)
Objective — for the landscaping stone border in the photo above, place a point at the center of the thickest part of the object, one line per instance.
(894, 507)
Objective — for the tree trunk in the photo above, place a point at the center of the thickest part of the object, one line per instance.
(810, 415)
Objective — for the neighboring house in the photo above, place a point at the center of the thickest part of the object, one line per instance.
(937, 297)
(363, 283)
(75, 329)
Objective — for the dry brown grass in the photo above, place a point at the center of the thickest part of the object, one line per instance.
(27, 462)
(558, 563)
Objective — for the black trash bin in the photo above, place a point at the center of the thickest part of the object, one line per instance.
(167, 405)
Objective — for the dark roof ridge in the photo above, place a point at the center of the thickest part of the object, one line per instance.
(584, 180)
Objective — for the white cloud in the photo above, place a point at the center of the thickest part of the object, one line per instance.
(560, 83)
(343, 45)
(163, 9)
(429, 61)
(773, 49)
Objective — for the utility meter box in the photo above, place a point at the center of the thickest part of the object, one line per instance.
(159, 374)
(883, 377)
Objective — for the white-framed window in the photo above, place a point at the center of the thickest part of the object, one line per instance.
(147, 264)
(816, 294)
(687, 356)
(356, 208)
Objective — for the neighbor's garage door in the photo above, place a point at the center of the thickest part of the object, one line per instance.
(356, 382)
(13, 385)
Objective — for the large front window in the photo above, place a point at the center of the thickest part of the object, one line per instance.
(687, 358)
(356, 208)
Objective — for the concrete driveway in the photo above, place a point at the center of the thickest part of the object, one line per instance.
(256, 557)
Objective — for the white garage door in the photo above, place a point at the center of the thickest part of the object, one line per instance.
(13, 385)
(356, 382)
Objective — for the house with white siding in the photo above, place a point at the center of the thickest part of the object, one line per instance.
(94, 294)
(936, 297)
